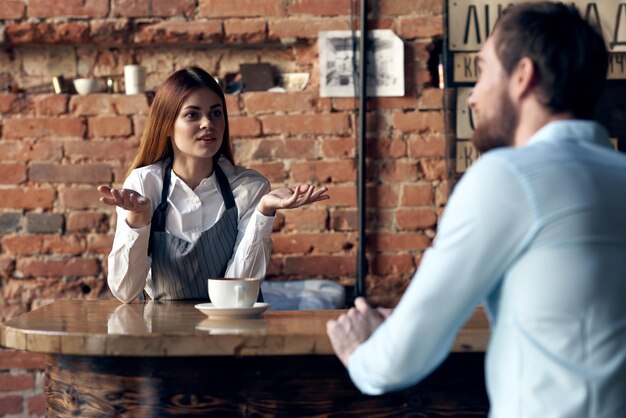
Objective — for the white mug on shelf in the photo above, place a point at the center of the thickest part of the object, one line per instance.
(134, 79)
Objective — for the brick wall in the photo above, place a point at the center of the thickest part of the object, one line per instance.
(55, 149)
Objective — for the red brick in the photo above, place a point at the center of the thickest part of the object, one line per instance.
(88, 222)
(109, 31)
(240, 8)
(323, 171)
(392, 264)
(434, 169)
(12, 173)
(394, 103)
(245, 30)
(10, 359)
(38, 127)
(100, 244)
(27, 151)
(31, 267)
(320, 265)
(306, 219)
(27, 198)
(319, 7)
(381, 196)
(386, 148)
(419, 122)
(180, 32)
(73, 8)
(394, 171)
(333, 123)
(435, 146)
(51, 105)
(16, 382)
(287, 148)
(22, 244)
(117, 149)
(342, 195)
(312, 243)
(431, 99)
(442, 193)
(274, 171)
(80, 198)
(338, 148)
(47, 33)
(12, 9)
(6, 102)
(241, 126)
(35, 405)
(418, 218)
(65, 245)
(344, 220)
(6, 267)
(109, 126)
(262, 102)
(11, 404)
(304, 28)
(417, 195)
(232, 104)
(405, 241)
(173, 8)
(407, 7)
(85, 173)
(420, 26)
(130, 8)
(109, 104)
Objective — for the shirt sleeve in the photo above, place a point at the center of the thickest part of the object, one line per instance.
(481, 233)
(128, 261)
(253, 246)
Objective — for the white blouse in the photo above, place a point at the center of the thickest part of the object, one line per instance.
(190, 213)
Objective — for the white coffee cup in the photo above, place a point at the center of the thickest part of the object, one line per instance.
(234, 293)
(134, 79)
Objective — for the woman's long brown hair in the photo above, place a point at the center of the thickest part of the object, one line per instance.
(155, 142)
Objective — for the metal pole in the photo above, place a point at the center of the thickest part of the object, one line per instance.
(361, 175)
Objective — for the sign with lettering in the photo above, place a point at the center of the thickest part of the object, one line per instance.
(466, 69)
(464, 120)
(470, 22)
(466, 154)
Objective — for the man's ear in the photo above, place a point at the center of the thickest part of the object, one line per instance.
(523, 78)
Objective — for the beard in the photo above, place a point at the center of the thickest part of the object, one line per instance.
(498, 131)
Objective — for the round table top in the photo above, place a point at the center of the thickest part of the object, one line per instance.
(109, 328)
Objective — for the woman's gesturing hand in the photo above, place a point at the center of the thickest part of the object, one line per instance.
(139, 207)
(287, 198)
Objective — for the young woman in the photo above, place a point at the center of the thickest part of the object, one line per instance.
(186, 212)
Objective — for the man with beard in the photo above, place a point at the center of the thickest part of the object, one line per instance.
(536, 230)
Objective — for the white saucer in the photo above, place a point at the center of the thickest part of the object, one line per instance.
(212, 312)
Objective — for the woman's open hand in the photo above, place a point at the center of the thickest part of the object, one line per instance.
(139, 207)
(287, 198)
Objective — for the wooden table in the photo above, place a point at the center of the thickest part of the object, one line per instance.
(165, 359)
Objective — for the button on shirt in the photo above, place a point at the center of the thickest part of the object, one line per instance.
(539, 235)
(190, 213)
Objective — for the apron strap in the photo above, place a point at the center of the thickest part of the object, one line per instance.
(227, 193)
(158, 217)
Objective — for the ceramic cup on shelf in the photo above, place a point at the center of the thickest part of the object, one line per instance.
(134, 79)
(86, 85)
(233, 293)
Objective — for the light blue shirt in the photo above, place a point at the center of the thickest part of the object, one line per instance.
(538, 234)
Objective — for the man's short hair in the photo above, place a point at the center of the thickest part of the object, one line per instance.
(569, 54)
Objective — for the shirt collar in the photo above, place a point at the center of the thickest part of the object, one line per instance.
(224, 164)
(584, 131)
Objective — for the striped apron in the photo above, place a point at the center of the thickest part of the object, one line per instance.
(180, 269)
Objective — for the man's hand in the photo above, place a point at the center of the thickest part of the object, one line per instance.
(351, 329)
(286, 198)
